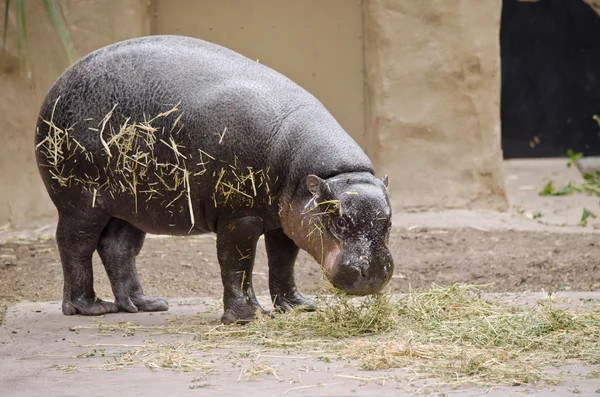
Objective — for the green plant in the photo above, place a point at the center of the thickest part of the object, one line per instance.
(586, 214)
(573, 157)
(590, 186)
(54, 11)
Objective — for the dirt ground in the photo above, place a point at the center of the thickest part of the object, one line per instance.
(187, 266)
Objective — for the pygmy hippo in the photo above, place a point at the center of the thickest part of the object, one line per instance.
(174, 135)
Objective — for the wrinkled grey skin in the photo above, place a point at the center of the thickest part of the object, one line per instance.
(272, 124)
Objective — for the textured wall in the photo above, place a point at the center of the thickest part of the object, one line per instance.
(316, 43)
(433, 82)
(23, 198)
(428, 69)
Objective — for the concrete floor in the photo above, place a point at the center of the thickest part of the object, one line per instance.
(35, 336)
(37, 343)
(524, 179)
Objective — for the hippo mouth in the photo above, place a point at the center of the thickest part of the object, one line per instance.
(332, 260)
(357, 277)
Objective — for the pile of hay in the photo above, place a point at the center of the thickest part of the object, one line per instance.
(449, 333)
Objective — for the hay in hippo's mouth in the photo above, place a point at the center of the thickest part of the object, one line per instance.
(451, 334)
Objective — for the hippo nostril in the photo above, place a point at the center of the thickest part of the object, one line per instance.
(363, 272)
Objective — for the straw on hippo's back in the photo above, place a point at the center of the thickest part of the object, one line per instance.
(174, 135)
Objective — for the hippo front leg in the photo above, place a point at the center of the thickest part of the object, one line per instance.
(236, 249)
(282, 253)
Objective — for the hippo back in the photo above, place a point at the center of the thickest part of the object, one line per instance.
(234, 110)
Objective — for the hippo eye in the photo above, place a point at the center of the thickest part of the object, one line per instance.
(340, 223)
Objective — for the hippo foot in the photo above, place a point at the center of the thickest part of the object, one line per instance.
(133, 304)
(243, 314)
(293, 299)
(88, 307)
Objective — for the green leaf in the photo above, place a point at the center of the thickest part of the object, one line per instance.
(22, 40)
(53, 9)
(586, 214)
(547, 190)
(573, 157)
(6, 8)
(550, 190)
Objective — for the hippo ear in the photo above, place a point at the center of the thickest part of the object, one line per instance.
(385, 180)
(314, 184)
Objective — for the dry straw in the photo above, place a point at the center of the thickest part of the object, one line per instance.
(451, 334)
(129, 164)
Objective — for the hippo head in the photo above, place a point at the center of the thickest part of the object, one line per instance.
(344, 222)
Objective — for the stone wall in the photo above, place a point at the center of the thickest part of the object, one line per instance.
(433, 78)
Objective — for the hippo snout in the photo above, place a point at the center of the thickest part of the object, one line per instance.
(363, 275)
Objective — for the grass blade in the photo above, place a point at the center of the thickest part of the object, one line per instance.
(6, 8)
(22, 40)
(61, 28)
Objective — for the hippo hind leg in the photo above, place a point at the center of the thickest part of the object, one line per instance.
(119, 244)
(282, 253)
(77, 236)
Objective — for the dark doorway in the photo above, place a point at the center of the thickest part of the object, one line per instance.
(550, 62)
